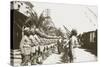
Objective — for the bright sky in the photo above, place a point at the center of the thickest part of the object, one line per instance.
(72, 16)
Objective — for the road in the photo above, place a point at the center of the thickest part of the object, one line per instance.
(81, 55)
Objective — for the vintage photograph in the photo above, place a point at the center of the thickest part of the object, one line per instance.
(52, 33)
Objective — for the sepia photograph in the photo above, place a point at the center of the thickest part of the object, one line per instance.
(52, 33)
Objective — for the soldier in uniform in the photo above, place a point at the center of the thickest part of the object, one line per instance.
(73, 42)
(25, 47)
(59, 46)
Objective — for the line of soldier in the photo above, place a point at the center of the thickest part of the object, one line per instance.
(33, 49)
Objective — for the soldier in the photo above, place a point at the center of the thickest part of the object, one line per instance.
(65, 50)
(33, 50)
(59, 46)
(73, 42)
(25, 47)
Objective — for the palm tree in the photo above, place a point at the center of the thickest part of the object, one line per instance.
(59, 32)
(38, 22)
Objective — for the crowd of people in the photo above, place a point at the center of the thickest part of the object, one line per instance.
(34, 50)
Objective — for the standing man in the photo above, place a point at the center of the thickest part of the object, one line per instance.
(59, 46)
(25, 47)
(73, 42)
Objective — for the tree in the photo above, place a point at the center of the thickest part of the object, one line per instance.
(38, 22)
(59, 32)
